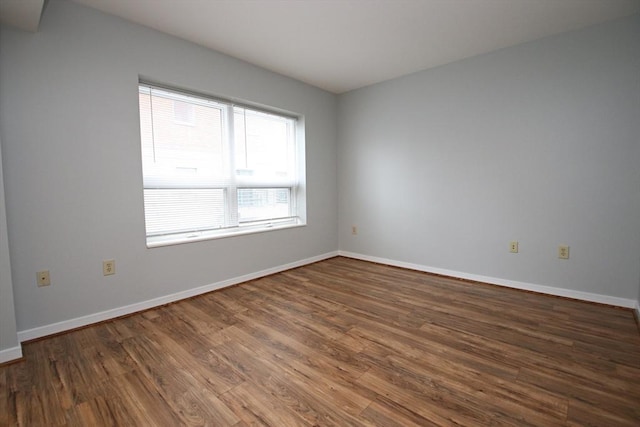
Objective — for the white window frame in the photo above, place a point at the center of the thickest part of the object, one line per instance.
(233, 182)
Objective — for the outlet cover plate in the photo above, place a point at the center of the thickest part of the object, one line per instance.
(563, 252)
(108, 267)
(43, 278)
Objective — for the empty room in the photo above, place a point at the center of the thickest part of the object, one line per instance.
(319, 212)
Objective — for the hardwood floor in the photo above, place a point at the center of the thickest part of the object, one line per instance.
(338, 343)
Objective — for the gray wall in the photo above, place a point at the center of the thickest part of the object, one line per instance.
(8, 333)
(73, 179)
(537, 143)
(638, 302)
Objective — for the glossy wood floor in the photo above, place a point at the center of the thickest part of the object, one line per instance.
(338, 343)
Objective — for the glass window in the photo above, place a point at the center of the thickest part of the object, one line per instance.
(233, 169)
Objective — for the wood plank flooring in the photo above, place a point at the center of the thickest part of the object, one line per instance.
(338, 343)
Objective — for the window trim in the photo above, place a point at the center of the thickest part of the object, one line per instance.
(297, 187)
(182, 238)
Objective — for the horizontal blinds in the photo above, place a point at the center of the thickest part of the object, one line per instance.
(183, 210)
(146, 85)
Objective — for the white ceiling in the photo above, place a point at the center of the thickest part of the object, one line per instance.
(340, 45)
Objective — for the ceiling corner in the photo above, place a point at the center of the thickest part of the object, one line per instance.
(22, 14)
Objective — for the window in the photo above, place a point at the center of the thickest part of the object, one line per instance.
(232, 169)
(183, 113)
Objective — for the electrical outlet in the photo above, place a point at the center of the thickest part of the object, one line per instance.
(563, 252)
(108, 267)
(43, 278)
(354, 230)
(513, 247)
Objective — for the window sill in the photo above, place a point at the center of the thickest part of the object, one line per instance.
(179, 239)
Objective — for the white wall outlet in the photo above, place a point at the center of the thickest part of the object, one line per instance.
(513, 247)
(563, 252)
(108, 267)
(354, 230)
(43, 278)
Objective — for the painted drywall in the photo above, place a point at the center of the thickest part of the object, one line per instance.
(638, 304)
(73, 178)
(538, 143)
(9, 345)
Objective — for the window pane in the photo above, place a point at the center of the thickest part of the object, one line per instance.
(263, 143)
(184, 113)
(181, 210)
(169, 147)
(258, 204)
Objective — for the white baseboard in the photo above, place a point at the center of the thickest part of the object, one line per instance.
(10, 354)
(66, 325)
(638, 310)
(550, 290)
